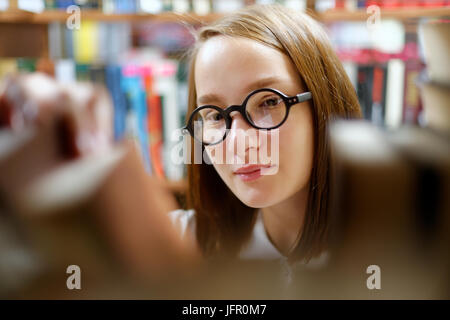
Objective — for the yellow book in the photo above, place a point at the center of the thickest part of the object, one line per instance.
(7, 66)
(86, 42)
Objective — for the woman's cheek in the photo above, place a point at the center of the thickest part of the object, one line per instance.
(286, 141)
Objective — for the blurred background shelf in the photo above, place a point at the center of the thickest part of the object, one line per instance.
(19, 16)
(399, 14)
(49, 16)
(121, 45)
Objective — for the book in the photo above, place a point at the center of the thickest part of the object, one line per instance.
(435, 42)
(379, 95)
(113, 74)
(394, 93)
(436, 99)
(86, 41)
(364, 90)
(412, 106)
(167, 86)
(154, 121)
(132, 85)
(7, 66)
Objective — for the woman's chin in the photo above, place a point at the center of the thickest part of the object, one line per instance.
(254, 199)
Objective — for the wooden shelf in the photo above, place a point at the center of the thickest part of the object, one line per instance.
(399, 14)
(18, 16)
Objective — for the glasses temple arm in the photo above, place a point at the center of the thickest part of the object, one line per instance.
(304, 96)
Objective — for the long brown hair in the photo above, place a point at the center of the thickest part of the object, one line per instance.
(223, 222)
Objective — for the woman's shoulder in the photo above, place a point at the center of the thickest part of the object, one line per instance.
(183, 220)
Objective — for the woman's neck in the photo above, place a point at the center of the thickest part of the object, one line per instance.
(284, 221)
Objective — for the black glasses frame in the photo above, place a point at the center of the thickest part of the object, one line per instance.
(289, 101)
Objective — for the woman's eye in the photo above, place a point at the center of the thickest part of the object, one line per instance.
(213, 116)
(271, 102)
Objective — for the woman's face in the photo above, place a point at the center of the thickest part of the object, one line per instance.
(227, 69)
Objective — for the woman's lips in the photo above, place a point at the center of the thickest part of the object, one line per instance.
(249, 173)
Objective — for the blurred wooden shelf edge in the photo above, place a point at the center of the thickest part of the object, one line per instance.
(19, 16)
(399, 14)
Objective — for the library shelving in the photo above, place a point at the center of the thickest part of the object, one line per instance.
(25, 33)
(48, 16)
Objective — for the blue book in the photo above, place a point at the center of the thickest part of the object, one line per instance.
(68, 43)
(113, 83)
(63, 4)
(131, 83)
(361, 3)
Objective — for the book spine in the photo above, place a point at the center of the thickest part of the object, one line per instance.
(412, 102)
(378, 95)
(65, 71)
(364, 90)
(113, 83)
(394, 93)
(131, 83)
(86, 42)
(166, 85)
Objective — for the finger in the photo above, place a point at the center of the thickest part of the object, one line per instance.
(91, 107)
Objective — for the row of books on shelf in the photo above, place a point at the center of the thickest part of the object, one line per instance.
(220, 6)
(93, 41)
(203, 7)
(145, 97)
(108, 41)
(200, 7)
(386, 80)
(388, 92)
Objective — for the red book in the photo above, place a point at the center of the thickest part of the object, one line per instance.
(412, 3)
(155, 132)
(339, 4)
(154, 120)
(391, 3)
(378, 94)
(373, 2)
(412, 103)
(434, 3)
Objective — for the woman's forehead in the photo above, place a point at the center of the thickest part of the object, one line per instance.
(225, 64)
(237, 54)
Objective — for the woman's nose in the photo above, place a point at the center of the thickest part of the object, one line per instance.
(241, 138)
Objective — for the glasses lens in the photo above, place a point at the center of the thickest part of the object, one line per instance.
(209, 125)
(266, 109)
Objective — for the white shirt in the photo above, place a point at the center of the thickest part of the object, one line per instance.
(258, 247)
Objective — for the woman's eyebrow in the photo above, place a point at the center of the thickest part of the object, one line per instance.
(260, 83)
(208, 98)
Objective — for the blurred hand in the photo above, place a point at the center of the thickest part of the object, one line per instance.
(82, 111)
(129, 207)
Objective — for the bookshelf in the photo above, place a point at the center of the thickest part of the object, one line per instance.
(19, 16)
(398, 14)
(26, 34)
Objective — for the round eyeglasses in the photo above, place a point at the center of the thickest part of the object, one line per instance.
(264, 108)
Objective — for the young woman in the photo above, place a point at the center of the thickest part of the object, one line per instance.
(264, 78)
(272, 70)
